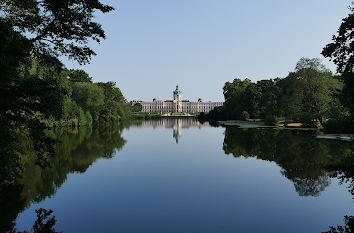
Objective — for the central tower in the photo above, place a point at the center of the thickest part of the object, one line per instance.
(177, 100)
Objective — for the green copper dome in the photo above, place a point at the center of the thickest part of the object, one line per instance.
(177, 91)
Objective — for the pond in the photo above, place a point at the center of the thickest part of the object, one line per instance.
(179, 175)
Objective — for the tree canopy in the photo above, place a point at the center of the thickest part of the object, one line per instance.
(34, 89)
(341, 52)
(56, 28)
(307, 95)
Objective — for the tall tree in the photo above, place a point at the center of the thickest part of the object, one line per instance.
(89, 96)
(341, 52)
(234, 94)
(79, 76)
(311, 63)
(113, 102)
(307, 93)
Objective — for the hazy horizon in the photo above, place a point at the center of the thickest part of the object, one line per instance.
(153, 45)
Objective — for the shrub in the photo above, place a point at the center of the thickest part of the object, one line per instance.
(338, 126)
(245, 115)
(49, 122)
(270, 120)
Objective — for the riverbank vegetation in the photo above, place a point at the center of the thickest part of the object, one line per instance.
(305, 95)
(36, 90)
(310, 95)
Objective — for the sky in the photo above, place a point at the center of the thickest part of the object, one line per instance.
(200, 44)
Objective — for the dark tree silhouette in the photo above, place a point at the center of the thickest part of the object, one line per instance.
(341, 52)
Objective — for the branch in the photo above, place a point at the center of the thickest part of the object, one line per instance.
(43, 33)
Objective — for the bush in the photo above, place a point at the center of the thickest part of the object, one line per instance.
(338, 126)
(49, 122)
(245, 115)
(270, 120)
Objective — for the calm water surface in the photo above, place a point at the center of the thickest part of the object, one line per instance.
(183, 176)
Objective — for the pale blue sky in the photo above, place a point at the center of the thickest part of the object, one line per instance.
(201, 44)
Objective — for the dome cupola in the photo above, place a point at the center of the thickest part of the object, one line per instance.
(177, 91)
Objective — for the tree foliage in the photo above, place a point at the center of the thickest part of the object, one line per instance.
(136, 107)
(307, 95)
(79, 76)
(341, 52)
(56, 28)
(310, 63)
(88, 96)
(34, 90)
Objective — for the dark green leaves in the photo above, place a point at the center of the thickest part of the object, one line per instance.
(56, 28)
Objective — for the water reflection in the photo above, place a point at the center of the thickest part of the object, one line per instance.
(76, 152)
(303, 158)
(308, 162)
(176, 124)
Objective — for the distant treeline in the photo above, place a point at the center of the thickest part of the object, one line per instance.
(309, 95)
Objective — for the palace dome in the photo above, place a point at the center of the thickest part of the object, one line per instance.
(176, 92)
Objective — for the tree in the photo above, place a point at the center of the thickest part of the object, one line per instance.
(341, 52)
(52, 88)
(245, 115)
(79, 76)
(234, 94)
(56, 28)
(89, 97)
(307, 95)
(261, 98)
(137, 107)
(310, 63)
(113, 102)
(250, 99)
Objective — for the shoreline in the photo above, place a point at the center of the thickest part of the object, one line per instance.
(261, 125)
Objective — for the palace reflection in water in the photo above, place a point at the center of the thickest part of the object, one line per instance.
(310, 165)
(175, 123)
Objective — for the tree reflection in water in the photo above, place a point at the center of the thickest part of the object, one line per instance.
(303, 158)
(45, 222)
(308, 162)
(347, 228)
(76, 152)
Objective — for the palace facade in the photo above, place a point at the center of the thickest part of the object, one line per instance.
(178, 105)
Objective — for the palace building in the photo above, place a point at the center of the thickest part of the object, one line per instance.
(178, 105)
